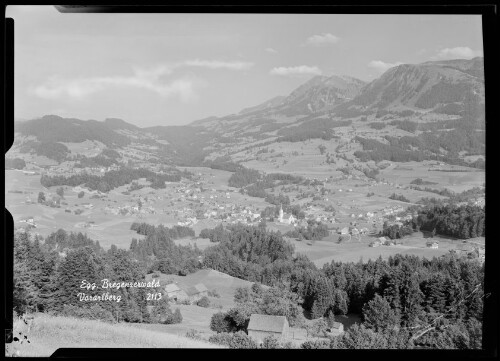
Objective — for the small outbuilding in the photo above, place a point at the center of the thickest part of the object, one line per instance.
(261, 326)
(336, 329)
(434, 244)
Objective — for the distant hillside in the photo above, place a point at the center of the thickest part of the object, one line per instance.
(451, 87)
(266, 105)
(115, 123)
(48, 333)
(439, 91)
(319, 93)
(52, 128)
(474, 67)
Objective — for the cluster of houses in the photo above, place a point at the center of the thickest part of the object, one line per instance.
(128, 209)
(67, 168)
(181, 294)
(30, 222)
(392, 210)
(382, 241)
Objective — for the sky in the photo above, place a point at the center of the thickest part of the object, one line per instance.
(172, 69)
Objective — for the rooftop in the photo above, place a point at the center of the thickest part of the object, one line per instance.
(198, 288)
(266, 323)
(172, 287)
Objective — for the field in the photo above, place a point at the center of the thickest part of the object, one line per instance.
(193, 318)
(224, 284)
(107, 229)
(48, 333)
(198, 318)
(327, 250)
(454, 181)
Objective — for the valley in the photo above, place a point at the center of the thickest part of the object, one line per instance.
(339, 174)
(324, 143)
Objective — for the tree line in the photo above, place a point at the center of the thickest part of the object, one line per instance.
(403, 295)
(14, 163)
(46, 280)
(113, 179)
(174, 232)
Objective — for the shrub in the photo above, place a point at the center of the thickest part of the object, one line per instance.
(220, 323)
(377, 125)
(194, 334)
(288, 345)
(241, 340)
(177, 317)
(316, 344)
(94, 312)
(81, 194)
(41, 197)
(214, 293)
(203, 302)
(223, 338)
(399, 197)
(270, 342)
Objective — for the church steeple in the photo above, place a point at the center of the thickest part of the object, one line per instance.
(281, 213)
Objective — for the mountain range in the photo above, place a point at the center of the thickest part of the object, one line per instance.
(443, 89)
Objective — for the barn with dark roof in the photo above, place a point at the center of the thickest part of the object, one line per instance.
(197, 291)
(261, 326)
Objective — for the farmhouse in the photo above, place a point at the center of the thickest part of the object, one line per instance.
(174, 292)
(336, 329)
(197, 291)
(389, 242)
(261, 326)
(433, 244)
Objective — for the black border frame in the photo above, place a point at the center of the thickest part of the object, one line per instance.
(489, 13)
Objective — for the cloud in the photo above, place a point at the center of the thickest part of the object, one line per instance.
(296, 70)
(323, 39)
(217, 64)
(460, 52)
(149, 79)
(271, 50)
(142, 78)
(382, 66)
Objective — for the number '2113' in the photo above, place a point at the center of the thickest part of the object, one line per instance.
(153, 296)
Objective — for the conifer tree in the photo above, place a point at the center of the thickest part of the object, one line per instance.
(80, 264)
(378, 315)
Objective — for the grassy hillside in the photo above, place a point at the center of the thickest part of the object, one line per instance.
(48, 333)
(223, 283)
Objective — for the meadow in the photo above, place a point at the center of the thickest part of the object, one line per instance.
(48, 333)
(328, 249)
(454, 181)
